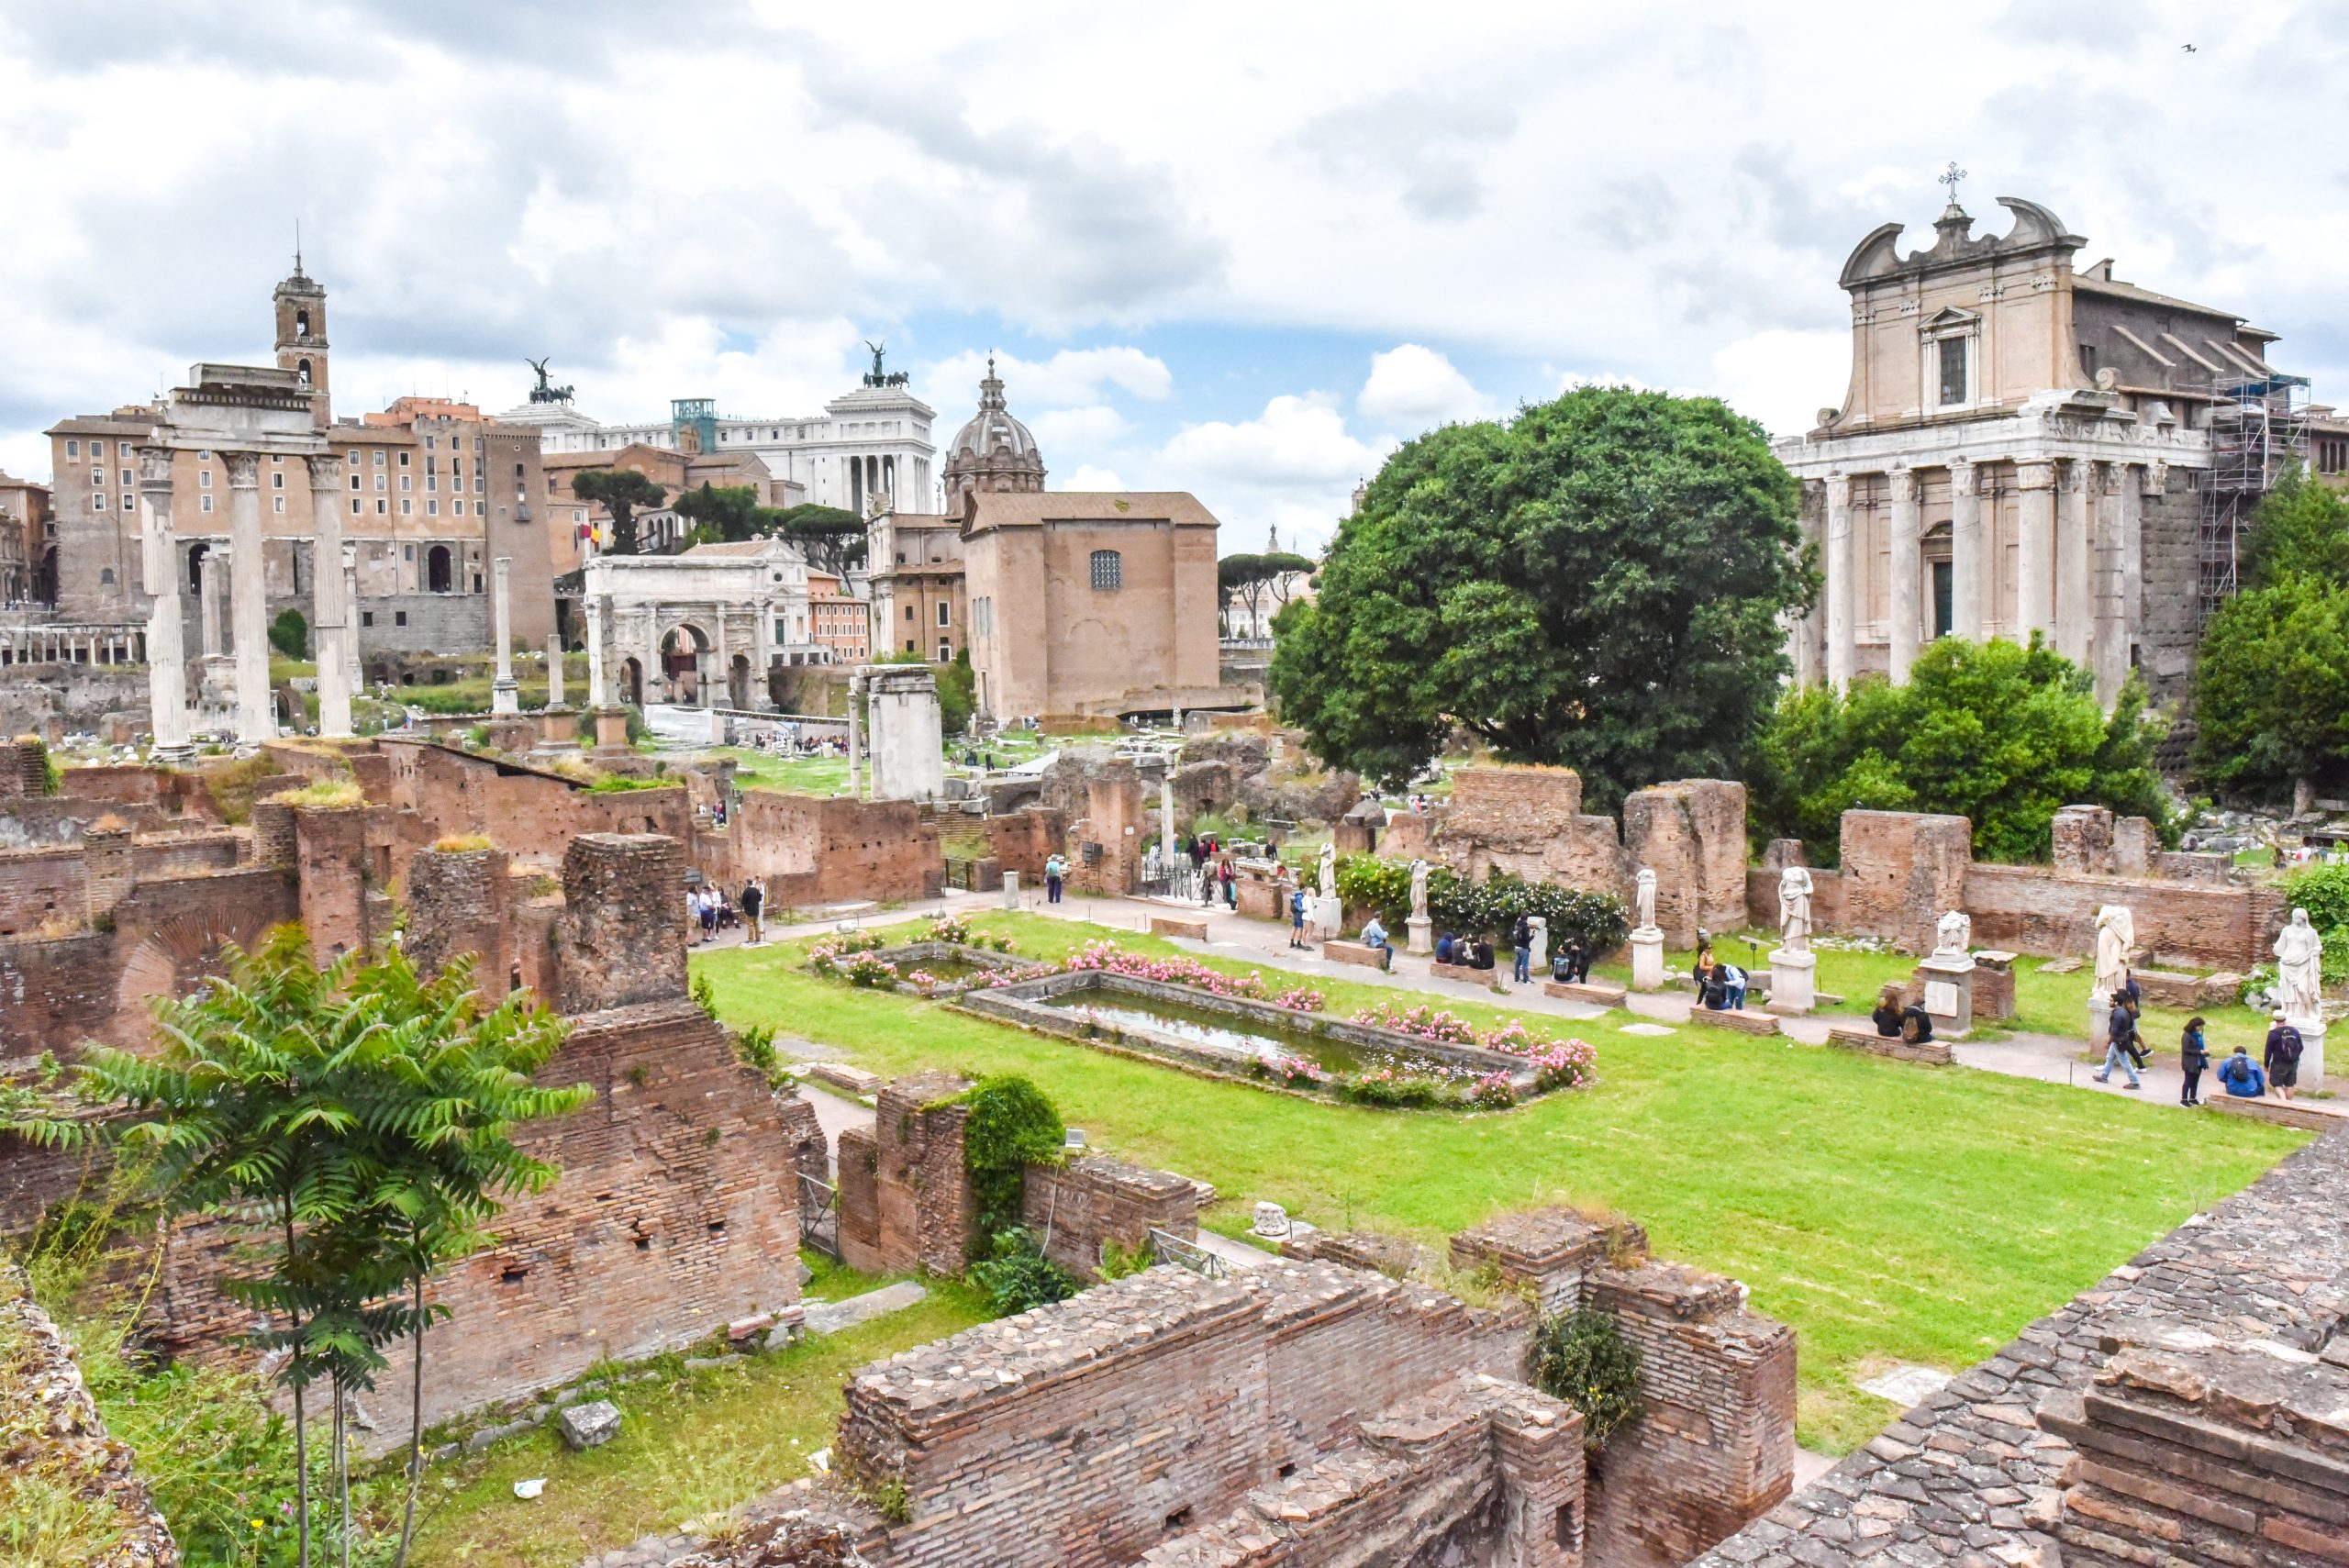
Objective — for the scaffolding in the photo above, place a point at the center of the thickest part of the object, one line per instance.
(2259, 428)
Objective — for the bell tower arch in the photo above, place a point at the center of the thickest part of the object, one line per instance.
(301, 308)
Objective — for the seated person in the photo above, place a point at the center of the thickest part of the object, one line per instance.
(1374, 935)
(1483, 955)
(2241, 1076)
(1571, 962)
(1731, 980)
(1886, 1016)
(1916, 1024)
(1443, 947)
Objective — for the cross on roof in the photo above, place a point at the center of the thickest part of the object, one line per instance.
(1951, 180)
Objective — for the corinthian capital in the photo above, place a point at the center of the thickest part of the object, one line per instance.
(244, 470)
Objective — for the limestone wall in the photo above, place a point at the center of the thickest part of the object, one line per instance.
(810, 851)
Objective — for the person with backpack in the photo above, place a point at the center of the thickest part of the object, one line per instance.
(1571, 962)
(1055, 869)
(2121, 1048)
(1916, 1024)
(754, 899)
(2240, 1076)
(1732, 981)
(1297, 918)
(2194, 1059)
(2282, 1057)
(1520, 941)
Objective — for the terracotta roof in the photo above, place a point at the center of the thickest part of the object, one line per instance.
(995, 509)
(100, 425)
(2118, 290)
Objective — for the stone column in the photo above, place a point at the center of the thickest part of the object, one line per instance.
(555, 668)
(856, 737)
(503, 694)
(1841, 593)
(1968, 559)
(2035, 549)
(598, 695)
(331, 612)
(2114, 490)
(2075, 587)
(762, 654)
(350, 614)
(1908, 565)
(167, 672)
(1167, 815)
(211, 588)
(248, 601)
(722, 660)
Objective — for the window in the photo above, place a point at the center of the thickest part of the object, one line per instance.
(1953, 389)
(128, 504)
(379, 457)
(204, 478)
(2087, 360)
(106, 576)
(129, 478)
(432, 508)
(432, 482)
(399, 617)
(354, 482)
(1108, 569)
(205, 504)
(909, 646)
(98, 502)
(477, 582)
(276, 480)
(407, 507)
(355, 456)
(946, 652)
(366, 617)
(277, 502)
(407, 482)
(73, 449)
(403, 460)
(910, 613)
(408, 552)
(428, 443)
(98, 449)
(381, 484)
(382, 507)
(945, 613)
(354, 506)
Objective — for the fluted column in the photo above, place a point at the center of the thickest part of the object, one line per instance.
(2075, 572)
(1968, 559)
(598, 695)
(1906, 609)
(2112, 493)
(159, 567)
(211, 588)
(350, 616)
(1841, 593)
(248, 601)
(2035, 550)
(329, 610)
(503, 697)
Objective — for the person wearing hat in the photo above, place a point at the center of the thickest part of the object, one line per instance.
(2282, 1057)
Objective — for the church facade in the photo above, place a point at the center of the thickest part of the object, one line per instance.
(2027, 447)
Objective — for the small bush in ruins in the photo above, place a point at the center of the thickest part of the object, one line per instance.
(1011, 1126)
(825, 957)
(1119, 1263)
(329, 793)
(1582, 1358)
(463, 844)
(1017, 1275)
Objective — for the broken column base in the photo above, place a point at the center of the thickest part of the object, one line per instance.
(611, 729)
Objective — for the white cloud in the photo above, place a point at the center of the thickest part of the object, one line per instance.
(1293, 466)
(1412, 388)
(1077, 429)
(1783, 379)
(1071, 378)
(1088, 477)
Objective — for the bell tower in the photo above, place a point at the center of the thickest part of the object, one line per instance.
(300, 306)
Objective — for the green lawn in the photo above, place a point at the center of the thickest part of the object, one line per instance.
(791, 775)
(692, 1443)
(1888, 1212)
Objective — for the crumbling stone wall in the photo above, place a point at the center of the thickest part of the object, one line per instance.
(461, 902)
(2218, 926)
(1902, 870)
(905, 1198)
(1693, 833)
(531, 813)
(43, 891)
(331, 851)
(813, 851)
(1072, 1210)
(1530, 823)
(622, 937)
(1023, 841)
(1105, 847)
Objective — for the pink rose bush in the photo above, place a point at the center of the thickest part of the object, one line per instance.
(825, 957)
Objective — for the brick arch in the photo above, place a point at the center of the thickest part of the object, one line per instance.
(175, 953)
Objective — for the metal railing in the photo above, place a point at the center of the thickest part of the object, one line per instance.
(1169, 1248)
(820, 1216)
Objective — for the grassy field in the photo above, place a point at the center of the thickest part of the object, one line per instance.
(692, 1443)
(1888, 1212)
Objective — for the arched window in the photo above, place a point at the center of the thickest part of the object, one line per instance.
(1108, 569)
(301, 324)
(196, 568)
(302, 369)
(436, 570)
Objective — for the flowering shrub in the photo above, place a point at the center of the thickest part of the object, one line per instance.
(951, 928)
(1295, 1070)
(988, 979)
(1392, 1089)
(922, 978)
(1424, 1023)
(1111, 959)
(1557, 1063)
(1301, 999)
(1493, 1092)
(825, 957)
(876, 973)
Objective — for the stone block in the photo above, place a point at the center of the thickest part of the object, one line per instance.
(1604, 992)
(2080, 841)
(1692, 833)
(1862, 1038)
(1356, 952)
(591, 1425)
(1193, 927)
(851, 1081)
(831, 1317)
(1738, 1021)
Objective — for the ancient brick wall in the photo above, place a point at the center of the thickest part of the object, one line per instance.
(34, 1176)
(673, 1214)
(529, 814)
(2213, 927)
(1022, 841)
(157, 859)
(904, 1201)
(330, 851)
(1713, 1446)
(1070, 1209)
(1693, 833)
(810, 851)
(1528, 822)
(43, 891)
(1105, 847)
(2080, 841)
(1826, 898)
(461, 902)
(1902, 870)
(622, 937)
(55, 992)
(24, 769)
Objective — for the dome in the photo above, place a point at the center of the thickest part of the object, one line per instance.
(994, 451)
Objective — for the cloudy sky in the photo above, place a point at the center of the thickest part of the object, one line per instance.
(1239, 249)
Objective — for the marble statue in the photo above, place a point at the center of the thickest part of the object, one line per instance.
(1957, 934)
(1418, 890)
(1794, 909)
(2299, 968)
(1645, 899)
(1329, 871)
(2116, 939)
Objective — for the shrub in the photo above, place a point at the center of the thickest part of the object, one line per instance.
(1582, 1358)
(463, 843)
(1119, 1263)
(872, 974)
(1456, 904)
(290, 634)
(1389, 1088)
(825, 957)
(2323, 892)
(1012, 1125)
(330, 793)
(1017, 1275)
(705, 995)
(754, 1046)
(614, 783)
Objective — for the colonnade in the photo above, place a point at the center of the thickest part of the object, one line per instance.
(73, 642)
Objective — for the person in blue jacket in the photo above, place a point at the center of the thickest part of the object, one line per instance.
(2241, 1076)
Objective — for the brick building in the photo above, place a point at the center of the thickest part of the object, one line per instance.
(28, 541)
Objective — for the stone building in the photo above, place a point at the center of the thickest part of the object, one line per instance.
(428, 494)
(578, 528)
(708, 626)
(2025, 446)
(27, 539)
(994, 451)
(915, 560)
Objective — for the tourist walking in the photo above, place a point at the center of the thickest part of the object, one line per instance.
(2193, 1060)
(1520, 941)
(2121, 1049)
(2282, 1057)
(2240, 1076)
(1055, 869)
(754, 901)
(1297, 918)
(1230, 887)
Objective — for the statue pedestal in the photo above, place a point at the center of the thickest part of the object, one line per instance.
(1793, 982)
(1949, 994)
(1325, 915)
(2312, 1053)
(1539, 957)
(611, 729)
(1419, 927)
(1011, 890)
(504, 696)
(1647, 959)
(2100, 1021)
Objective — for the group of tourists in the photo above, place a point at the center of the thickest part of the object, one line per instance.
(1898, 1018)
(1464, 953)
(711, 911)
(2277, 1071)
(1217, 879)
(1721, 985)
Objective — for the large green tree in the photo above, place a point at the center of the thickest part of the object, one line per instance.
(1599, 581)
(1997, 733)
(2271, 684)
(623, 493)
(730, 512)
(833, 539)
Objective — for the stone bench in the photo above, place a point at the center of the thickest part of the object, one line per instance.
(1472, 974)
(1863, 1038)
(1194, 926)
(2284, 1113)
(1353, 953)
(1604, 992)
(1743, 1020)
(845, 1079)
